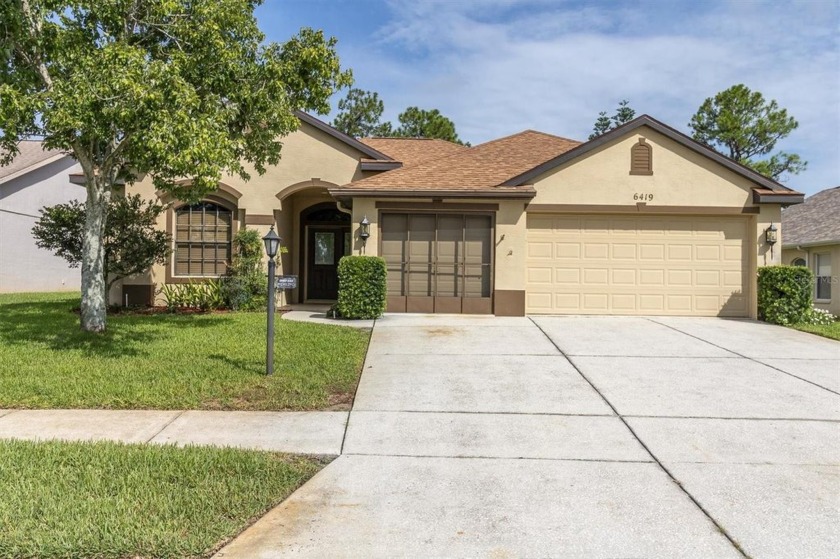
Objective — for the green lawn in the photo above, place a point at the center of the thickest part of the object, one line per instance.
(108, 500)
(167, 361)
(829, 331)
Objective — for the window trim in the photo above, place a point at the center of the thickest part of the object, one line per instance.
(236, 217)
(817, 257)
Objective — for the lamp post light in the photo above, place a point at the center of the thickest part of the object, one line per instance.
(272, 245)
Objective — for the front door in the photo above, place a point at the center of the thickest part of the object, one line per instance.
(326, 245)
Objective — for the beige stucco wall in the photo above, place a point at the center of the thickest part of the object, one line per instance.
(808, 253)
(312, 160)
(681, 177)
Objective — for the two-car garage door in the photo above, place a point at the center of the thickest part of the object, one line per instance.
(635, 265)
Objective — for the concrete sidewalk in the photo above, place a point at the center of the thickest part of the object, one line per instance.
(293, 432)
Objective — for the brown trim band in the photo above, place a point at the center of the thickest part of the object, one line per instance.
(379, 165)
(436, 206)
(257, 219)
(509, 302)
(640, 208)
(405, 193)
(767, 197)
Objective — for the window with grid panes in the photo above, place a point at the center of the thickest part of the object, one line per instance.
(202, 240)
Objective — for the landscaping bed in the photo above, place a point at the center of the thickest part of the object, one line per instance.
(170, 361)
(111, 500)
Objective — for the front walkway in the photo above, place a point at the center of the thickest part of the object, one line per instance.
(577, 437)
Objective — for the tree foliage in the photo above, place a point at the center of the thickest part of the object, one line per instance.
(133, 242)
(421, 123)
(623, 114)
(740, 123)
(360, 115)
(170, 88)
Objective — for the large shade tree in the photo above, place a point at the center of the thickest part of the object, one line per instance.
(173, 89)
(742, 124)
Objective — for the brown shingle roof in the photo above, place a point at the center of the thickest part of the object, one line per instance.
(481, 168)
(32, 155)
(817, 220)
(411, 151)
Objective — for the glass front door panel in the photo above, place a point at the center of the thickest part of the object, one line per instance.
(324, 248)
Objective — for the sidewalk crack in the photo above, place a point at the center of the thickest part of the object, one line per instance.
(167, 424)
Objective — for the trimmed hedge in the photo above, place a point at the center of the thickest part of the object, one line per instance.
(361, 286)
(785, 294)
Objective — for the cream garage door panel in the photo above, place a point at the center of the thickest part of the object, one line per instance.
(678, 265)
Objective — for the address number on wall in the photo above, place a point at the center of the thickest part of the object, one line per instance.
(643, 197)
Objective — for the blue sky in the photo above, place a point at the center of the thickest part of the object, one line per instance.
(496, 67)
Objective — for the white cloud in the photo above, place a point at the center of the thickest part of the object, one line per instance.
(496, 67)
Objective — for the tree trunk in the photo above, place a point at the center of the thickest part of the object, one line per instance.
(94, 289)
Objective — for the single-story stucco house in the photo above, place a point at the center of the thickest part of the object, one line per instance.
(36, 178)
(639, 221)
(812, 239)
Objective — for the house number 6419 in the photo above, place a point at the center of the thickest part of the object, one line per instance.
(643, 197)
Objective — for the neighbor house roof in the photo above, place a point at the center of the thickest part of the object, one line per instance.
(410, 151)
(816, 221)
(480, 170)
(32, 156)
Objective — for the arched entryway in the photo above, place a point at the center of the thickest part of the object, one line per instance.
(325, 232)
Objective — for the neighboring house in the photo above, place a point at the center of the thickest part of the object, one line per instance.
(812, 238)
(36, 178)
(639, 221)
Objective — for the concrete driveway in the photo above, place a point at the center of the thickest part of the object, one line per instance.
(577, 437)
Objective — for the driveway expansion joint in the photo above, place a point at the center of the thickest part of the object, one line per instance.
(677, 482)
(744, 356)
(689, 417)
(514, 458)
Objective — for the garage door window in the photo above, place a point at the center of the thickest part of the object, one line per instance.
(823, 273)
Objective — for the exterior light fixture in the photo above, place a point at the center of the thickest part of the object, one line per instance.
(272, 245)
(364, 229)
(771, 235)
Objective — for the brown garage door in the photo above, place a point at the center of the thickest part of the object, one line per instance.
(438, 263)
(652, 265)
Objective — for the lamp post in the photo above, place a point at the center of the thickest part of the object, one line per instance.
(272, 245)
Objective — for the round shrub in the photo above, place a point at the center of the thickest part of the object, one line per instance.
(785, 294)
(361, 286)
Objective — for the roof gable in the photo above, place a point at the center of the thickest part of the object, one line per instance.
(341, 136)
(665, 130)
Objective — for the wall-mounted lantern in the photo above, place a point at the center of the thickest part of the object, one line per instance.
(364, 229)
(771, 235)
